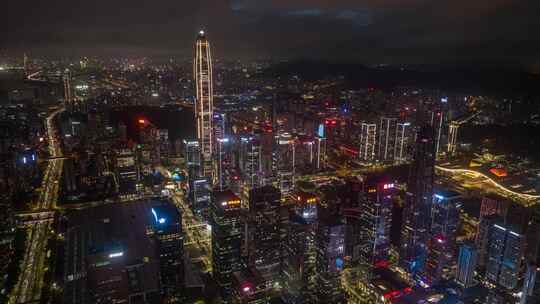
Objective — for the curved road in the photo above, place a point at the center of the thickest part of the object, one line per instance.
(524, 197)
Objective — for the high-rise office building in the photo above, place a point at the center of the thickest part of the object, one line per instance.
(249, 287)
(368, 137)
(192, 153)
(505, 254)
(222, 156)
(201, 195)
(68, 90)
(305, 205)
(251, 161)
(493, 205)
(329, 260)
(368, 226)
(126, 171)
(402, 143)
(204, 105)
(222, 165)
(482, 238)
(299, 261)
(444, 228)
(113, 255)
(531, 285)
(219, 124)
(386, 146)
(438, 122)
(227, 236)
(304, 153)
(419, 196)
(264, 242)
(164, 144)
(285, 162)
(321, 152)
(467, 259)
(167, 225)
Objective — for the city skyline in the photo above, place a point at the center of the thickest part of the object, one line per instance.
(222, 181)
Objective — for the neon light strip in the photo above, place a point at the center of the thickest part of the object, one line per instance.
(527, 196)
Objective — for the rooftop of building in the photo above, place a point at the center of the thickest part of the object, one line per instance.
(225, 201)
(114, 235)
(224, 196)
(389, 282)
(267, 189)
(446, 194)
(164, 212)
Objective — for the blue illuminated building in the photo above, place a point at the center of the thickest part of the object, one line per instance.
(467, 261)
(444, 228)
(320, 131)
(167, 225)
(505, 254)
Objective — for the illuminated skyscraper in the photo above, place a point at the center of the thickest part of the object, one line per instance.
(221, 155)
(204, 107)
(493, 205)
(468, 256)
(530, 285)
(386, 147)
(329, 260)
(227, 235)
(482, 238)
(192, 154)
(68, 90)
(368, 226)
(250, 161)
(402, 142)
(505, 255)
(127, 172)
(437, 122)
(167, 228)
(285, 162)
(417, 211)
(368, 135)
(264, 238)
(222, 163)
(299, 261)
(444, 225)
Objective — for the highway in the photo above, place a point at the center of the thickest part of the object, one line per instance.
(30, 281)
(196, 231)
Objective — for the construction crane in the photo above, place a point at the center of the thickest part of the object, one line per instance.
(453, 132)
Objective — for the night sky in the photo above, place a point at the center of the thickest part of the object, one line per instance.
(366, 31)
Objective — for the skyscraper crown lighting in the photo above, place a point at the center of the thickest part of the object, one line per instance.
(204, 105)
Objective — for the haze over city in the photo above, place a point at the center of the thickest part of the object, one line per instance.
(369, 32)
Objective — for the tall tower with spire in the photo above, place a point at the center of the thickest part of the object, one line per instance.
(204, 106)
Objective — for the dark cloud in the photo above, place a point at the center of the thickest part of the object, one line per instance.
(370, 31)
